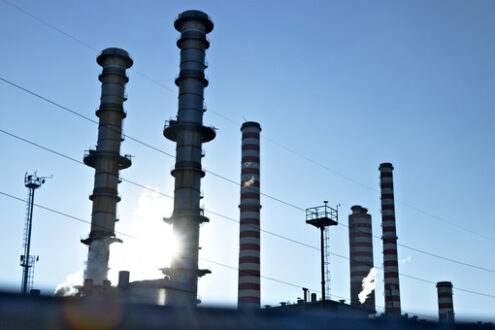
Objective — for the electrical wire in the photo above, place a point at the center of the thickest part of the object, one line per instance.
(323, 166)
(231, 267)
(237, 221)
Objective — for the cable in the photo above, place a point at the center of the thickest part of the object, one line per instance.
(63, 214)
(426, 252)
(237, 221)
(139, 141)
(134, 237)
(267, 139)
(231, 267)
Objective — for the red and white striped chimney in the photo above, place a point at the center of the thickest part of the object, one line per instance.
(361, 254)
(389, 237)
(445, 302)
(249, 242)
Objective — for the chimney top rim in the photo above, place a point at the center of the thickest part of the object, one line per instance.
(194, 14)
(251, 124)
(386, 165)
(114, 51)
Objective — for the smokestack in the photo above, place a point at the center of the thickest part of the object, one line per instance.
(361, 254)
(189, 134)
(389, 237)
(249, 240)
(445, 302)
(107, 161)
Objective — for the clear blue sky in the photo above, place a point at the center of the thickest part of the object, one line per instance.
(349, 84)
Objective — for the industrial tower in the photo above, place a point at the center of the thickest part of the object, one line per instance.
(189, 133)
(389, 237)
(32, 182)
(445, 302)
(322, 217)
(361, 255)
(107, 162)
(249, 230)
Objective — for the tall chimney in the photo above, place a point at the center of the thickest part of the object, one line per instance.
(249, 238)
(361, 254)
(107, 161)
(389, 237)
(445, 302)
(189, 134)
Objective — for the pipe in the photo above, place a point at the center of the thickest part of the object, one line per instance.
(107, 162)
(361, 254)
(389, 237)
(189, 134)
(249, 229)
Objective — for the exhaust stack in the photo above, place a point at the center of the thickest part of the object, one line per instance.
(389, 237)
(107, 162)
(445, 302)
(361, 254)
(189, 134)
(249, 240)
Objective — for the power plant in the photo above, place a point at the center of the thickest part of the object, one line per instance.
(179, 284)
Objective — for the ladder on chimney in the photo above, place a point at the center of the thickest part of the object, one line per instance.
(327, 261)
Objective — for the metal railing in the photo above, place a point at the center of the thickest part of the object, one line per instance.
(323, 211)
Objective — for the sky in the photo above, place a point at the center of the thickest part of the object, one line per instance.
(338, 88)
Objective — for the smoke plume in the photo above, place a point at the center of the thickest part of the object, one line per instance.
(68, 288)
(368, 285)
(98, 255)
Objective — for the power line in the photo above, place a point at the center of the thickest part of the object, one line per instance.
(231, 267)
(264, 137)
(64, 214)
(138, 141)
(426, 252)
(134, 237)
(237, 221)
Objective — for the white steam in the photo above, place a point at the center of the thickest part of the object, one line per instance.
(248, 183)
(68, 288)
(152, 249)
(98, 257)
(368, 285)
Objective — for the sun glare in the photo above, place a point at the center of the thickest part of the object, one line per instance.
(155, 244)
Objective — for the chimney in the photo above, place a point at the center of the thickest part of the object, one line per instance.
(124, 276)
(88, 286)
(189, 134)
(445, 302)
(249, 240)
(107, 161)
(389, 237)
(305, 290)
(361, 254)
(313, 297)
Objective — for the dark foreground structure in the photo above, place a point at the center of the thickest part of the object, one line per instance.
(41, 312)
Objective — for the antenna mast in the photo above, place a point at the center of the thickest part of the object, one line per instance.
(32, 182)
